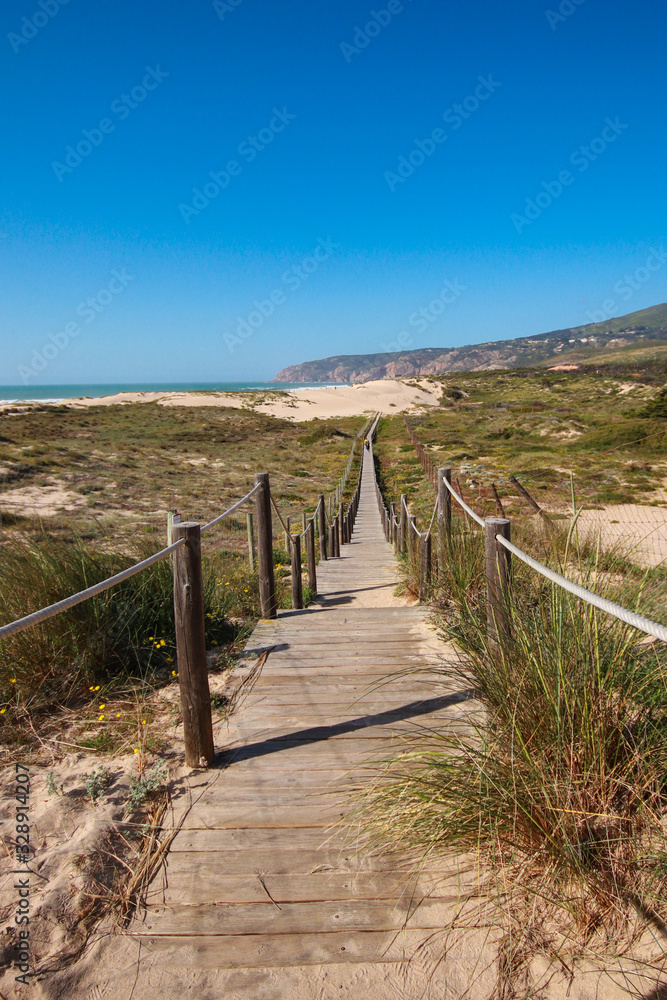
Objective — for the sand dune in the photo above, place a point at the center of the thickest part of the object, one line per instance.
(385, 396)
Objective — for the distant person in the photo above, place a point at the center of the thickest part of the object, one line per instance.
(367, 444)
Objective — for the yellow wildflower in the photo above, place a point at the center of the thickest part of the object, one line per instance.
(100, 718)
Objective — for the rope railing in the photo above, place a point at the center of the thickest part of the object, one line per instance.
(461, 502)
(230, 510)
(623, 614)
(499, 545)
(84, 595)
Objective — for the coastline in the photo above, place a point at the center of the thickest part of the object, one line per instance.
(304, 403)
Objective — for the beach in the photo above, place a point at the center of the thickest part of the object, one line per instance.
(384, 396)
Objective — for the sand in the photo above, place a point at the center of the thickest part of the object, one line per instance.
(636, 531)
(383, 395)
(41, 501)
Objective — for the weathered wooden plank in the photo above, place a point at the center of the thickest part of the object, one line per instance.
(331, 886)
(276, 950)
(323, 916)
(206, 840)
(287, 859)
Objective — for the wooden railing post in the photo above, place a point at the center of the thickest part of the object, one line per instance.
(322, 525)
(287, 534)
(191, 646)
(341, 526)
(337, 538)
(297, 582)
(332, 539)
(310, 556)
(251, 541)
(267, 581)
(497, 577)
(402, 526)
(425, 567)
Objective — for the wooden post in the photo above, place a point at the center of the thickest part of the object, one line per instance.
(497, 577)
(425, 567)
(297, 584)
(322, 522)
(173, 517)
(392, 531)
(287, 535)
(402, 526)
(267, 581)
(304, 520)
(251, 541)
(337, 538)
(332, 539)
(341, 527)
(191, 646)
(310, 556)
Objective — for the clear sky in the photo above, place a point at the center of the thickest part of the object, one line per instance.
(350, 187)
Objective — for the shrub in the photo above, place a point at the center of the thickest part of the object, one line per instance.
(126, 631)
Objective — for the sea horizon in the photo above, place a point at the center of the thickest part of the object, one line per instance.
(55, 393)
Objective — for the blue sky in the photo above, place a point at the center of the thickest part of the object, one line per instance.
(113, 269)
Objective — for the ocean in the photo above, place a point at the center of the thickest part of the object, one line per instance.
(54, 393)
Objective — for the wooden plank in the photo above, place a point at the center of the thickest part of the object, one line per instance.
(332, 886)
(204, 841)
(278, 950)
(288, 859)
(323, 916)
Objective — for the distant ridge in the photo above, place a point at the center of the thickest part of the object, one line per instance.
(575, 343)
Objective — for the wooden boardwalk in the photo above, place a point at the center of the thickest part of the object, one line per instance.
(264, 896)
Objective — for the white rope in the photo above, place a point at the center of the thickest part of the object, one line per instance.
(629, 617)
(288, 533)
(461, 501)
(217, 520)
(435, 511)
(69, 602)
